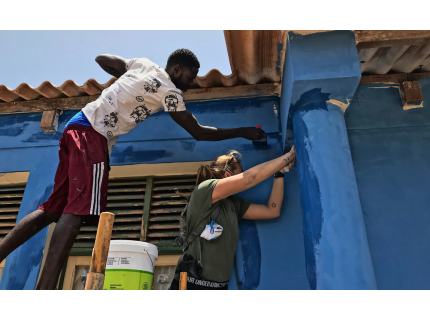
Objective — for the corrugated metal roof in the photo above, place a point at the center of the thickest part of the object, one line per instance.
(397, 59)
(257, 57)
(91, 87)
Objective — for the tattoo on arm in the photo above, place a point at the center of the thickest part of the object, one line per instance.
(273, 205)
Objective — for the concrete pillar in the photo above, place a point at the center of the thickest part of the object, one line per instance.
(321, 74)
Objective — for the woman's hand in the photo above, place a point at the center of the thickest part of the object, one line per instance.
(291, 159)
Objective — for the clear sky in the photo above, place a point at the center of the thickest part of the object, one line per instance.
(57, 56)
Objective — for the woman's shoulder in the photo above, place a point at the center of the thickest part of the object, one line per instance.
(210, 183)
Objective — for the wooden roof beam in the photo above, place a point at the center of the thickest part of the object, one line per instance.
(390, 38)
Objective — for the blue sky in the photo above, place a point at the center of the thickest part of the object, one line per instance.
(56, 56)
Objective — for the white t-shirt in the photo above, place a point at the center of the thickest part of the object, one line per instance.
(143, 90)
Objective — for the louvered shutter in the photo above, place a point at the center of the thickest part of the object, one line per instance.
(146, 209)
(10, 201)
(168, 198)
(126, 201)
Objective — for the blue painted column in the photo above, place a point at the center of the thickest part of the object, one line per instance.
(23, 265)
(321, 74)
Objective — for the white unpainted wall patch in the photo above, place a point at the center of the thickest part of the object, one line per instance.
(413, 106)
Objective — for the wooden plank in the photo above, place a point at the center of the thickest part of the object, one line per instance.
(220, 93)
(89, 244)
(9, 209)
(124, 204)
(169, 203)
(7, 224)
(126, 183)
(11, 189)
(158, 226)
(164, 243)
(191, 180)
(11, 195)
(125, 197)
(120, 212)
(164, 218)
(70, 274)
(170, 195)
(5, 230)
(74, 103)
(163, 234)
(174, 188)
(166, 210)
(49, 121)
(80, 252)
(8, 216)
(199, 94)
(167, 260)
(128, 219)
(116, 227)
(116, 235)
(8, 202)
(95, 277)
(125, 190)
(394, 78)
(390, 38)
(146, 209)
(413, 92)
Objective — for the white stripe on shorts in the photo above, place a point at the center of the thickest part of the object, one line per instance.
(97, 183)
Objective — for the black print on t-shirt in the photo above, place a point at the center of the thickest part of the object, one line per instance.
(152, 86)
(171, 102)
(140, 113)
(110, 100)
(111, 120)
(110, 134)
(139, 98)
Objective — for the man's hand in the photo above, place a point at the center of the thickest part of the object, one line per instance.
(252, 133)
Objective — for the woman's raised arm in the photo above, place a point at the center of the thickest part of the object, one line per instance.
(251, 177)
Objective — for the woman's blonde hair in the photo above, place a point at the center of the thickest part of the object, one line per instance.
(221, 164)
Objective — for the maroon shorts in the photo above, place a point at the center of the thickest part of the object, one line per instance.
(81, 180)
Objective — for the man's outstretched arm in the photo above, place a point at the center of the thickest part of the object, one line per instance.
(203, 133)
(114, 65)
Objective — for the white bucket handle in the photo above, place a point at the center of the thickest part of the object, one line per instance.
(153, 264)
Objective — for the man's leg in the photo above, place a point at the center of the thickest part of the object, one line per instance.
(61, 242)
(25, 229)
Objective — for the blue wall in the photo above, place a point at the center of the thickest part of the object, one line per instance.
(390, 149)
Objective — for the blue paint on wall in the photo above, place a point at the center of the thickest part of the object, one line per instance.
(312, 62)
(310, 195)
(251, 254)
(13, 129)
(40, 136)
(320, 67)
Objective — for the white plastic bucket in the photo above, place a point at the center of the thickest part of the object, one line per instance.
(130, 265)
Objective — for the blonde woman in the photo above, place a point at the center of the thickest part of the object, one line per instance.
(209, 259)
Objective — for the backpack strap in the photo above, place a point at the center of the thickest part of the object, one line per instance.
(200, 228)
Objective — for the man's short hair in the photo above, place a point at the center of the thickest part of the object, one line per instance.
(183, 57)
